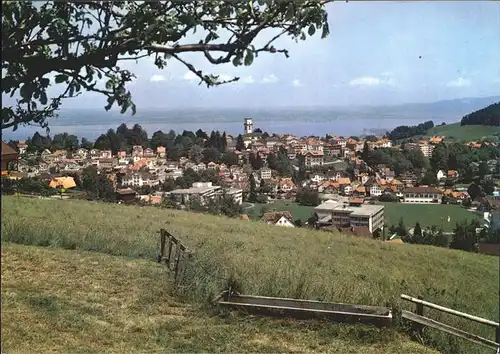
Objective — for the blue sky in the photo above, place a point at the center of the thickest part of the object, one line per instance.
(377, 53)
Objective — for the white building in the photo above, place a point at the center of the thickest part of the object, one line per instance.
(278, 218)
(426, 149)
(139, 179)
(343, 215)
(422, 195)
(266, 173)
(248, 126)
(204, 191)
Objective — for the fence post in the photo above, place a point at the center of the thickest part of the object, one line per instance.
(167, 260)
(162, 244)
(419, 311)
(497, 338)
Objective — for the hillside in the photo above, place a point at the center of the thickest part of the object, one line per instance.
(486, 116)
(459, 132)
(269, 260)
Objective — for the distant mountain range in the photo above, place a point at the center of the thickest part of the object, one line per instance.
(447, 109)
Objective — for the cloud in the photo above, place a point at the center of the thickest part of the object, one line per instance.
(269, 79)
(296, 83)
(190, 76)
(385, 79)
(365, 81)
(157, 78)
(247, 80)
(459, 82)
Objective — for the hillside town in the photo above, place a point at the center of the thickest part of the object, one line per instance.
(344, 173)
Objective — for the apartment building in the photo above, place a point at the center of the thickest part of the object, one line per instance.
(426, 149)
(313, 158)
(352, 215)
(422, 195)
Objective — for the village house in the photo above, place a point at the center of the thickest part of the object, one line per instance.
(203, 192)
(441, 175)
(313, 158)
(373, 188)
(22, 147)
(139, 179)
(161, 152)
(278, 218)
(137, 151)
(148, 152)
(422, 195)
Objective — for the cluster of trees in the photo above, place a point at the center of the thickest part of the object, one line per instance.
(27, 185)
(487, 116)
(221, 205)
(400, 161)
(308, 197)
(405, 131)
(278, 161)
(430, 236)
(464, 235)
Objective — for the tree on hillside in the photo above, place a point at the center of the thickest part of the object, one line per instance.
(252, 196)
(464, 236)
(240, 143)
(474, 191)
(417, 231)
(308, 197)
(84, 44)
(487, 116)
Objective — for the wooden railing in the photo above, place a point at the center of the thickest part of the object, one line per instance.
(174, 254)
(421, 321)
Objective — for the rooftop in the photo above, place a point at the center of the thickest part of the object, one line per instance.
(362, 210)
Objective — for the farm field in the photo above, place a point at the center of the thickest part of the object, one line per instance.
(261, 259)
(67, 301)
(427, 214)
(464, 133)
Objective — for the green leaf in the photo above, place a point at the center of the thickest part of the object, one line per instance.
(44, 82)
(311, 30)
(26, 91)
(326, 30)
(61, 78)
(249, 58)
(43, 98)
(290, 11)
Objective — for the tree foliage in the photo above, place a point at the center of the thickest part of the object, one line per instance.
(84, 45)
(405, 131)
(487, 116)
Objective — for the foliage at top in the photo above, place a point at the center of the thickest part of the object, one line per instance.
(404, 131)
(487, 116)
(85, 43)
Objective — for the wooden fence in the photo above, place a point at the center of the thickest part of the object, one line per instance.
(174, 254)
(421, 321)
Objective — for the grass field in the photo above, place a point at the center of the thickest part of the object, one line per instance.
(67, 301)
(427, 214)
(269, 260)
(298, 211)
(464, 133)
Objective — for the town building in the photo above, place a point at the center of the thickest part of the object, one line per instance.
(422, 195)
(203, 192)
(354, 214)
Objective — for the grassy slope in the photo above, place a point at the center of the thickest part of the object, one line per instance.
(71, 301)
(269, 260)
(464, 133)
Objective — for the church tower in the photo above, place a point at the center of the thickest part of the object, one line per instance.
(248, 126)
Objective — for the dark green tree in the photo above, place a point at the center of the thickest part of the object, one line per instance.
(464, 236)
(240, 143)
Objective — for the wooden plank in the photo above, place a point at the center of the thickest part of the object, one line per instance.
(448, 329)
(169, 250)
(450, 311)
(306, 313)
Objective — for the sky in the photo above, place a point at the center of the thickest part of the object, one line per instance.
(378, 53)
